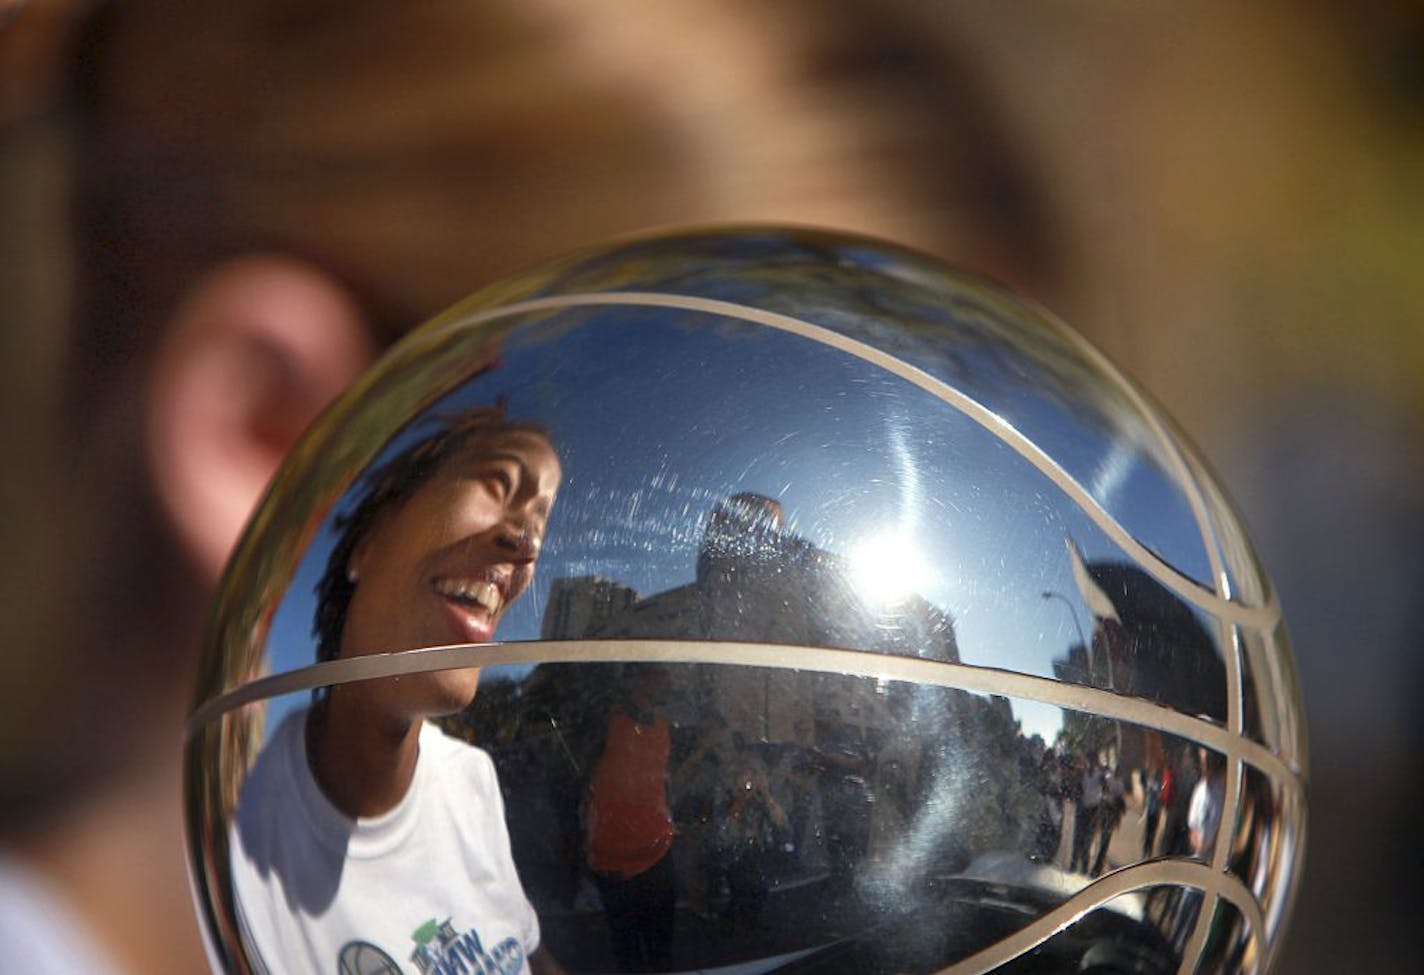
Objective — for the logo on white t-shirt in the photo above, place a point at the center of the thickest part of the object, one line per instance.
(439, 950)
(362, 958)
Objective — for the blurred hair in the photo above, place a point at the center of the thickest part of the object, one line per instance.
(419, 150)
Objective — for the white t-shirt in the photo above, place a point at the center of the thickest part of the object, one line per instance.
(429, 887)
(39, 934)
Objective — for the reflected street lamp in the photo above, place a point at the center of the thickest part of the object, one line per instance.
(1072, 612)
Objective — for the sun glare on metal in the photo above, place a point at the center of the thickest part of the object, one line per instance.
(887, 569)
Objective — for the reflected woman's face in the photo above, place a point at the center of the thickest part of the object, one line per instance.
(443, 566)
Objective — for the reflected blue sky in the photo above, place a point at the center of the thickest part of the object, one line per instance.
(964, 331)
(659, 414)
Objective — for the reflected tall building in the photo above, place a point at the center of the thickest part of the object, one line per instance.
(757, 581)
(1148, 643)
(582, 605)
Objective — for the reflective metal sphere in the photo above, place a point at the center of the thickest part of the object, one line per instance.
(763, 598)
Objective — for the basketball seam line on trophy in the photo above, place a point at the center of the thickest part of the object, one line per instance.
(1186, 475)
(1205, 598)
(1282, 905)
(827, 660)
(1123, 881)
(1196, 944)
(1230, 808)
(1221, 513)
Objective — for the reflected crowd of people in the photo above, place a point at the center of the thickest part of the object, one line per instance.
(790, 841)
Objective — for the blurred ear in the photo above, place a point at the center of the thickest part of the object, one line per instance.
(259, 346)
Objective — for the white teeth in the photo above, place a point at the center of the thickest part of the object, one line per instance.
(486, 594)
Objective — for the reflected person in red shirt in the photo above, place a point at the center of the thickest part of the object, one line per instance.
(629, 824)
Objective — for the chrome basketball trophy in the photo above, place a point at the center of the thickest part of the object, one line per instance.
(759, 600)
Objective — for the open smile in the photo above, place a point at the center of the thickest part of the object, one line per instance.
(481, 593)
(473, 604)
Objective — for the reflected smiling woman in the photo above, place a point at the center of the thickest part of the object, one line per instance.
(364, 834)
